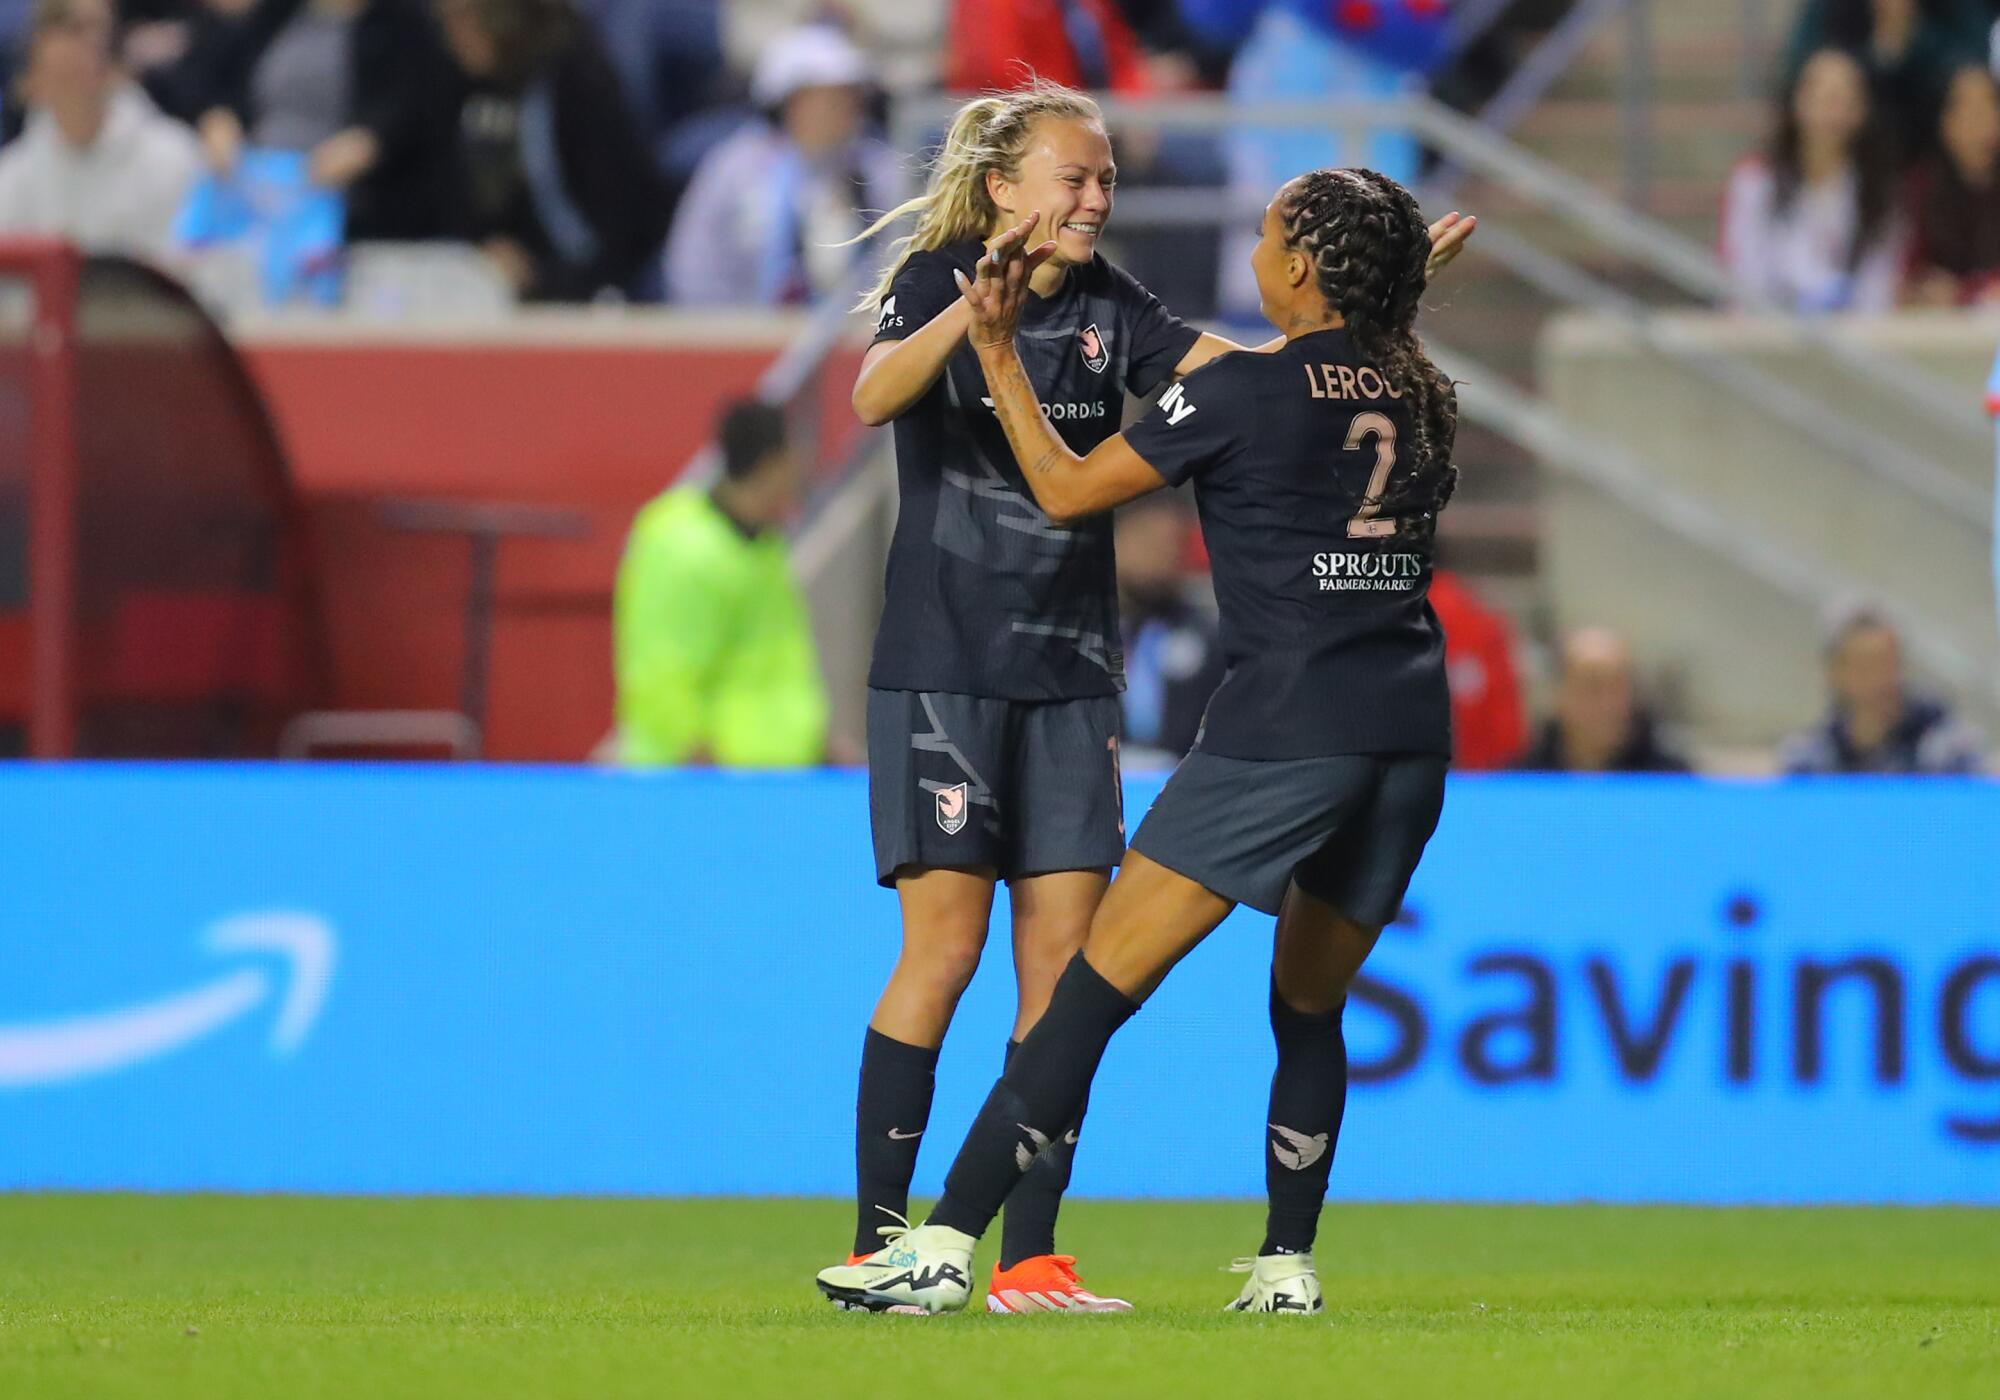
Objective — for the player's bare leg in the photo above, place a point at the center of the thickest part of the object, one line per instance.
(1052, 915)
(1317, 952)
(945, 913)
(1151, 919)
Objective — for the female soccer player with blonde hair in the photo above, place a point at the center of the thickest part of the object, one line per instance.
(993, 710)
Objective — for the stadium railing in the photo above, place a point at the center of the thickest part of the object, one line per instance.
(1557, 53)
(36, 475)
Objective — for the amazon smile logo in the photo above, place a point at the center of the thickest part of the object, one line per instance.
(89, 1043)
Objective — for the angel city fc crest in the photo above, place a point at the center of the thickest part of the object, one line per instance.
(951, 809)
(1090, 344)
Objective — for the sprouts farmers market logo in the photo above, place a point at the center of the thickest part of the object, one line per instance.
(1531, 1005)
(1367, 572)
(292, 987)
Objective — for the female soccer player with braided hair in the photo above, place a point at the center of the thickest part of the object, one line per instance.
(992, 708)
(1320, 469)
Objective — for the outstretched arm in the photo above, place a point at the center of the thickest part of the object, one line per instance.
(1066, 486)
(1448, 236)
(896, 373)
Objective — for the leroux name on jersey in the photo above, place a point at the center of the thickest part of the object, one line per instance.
(1347, 382)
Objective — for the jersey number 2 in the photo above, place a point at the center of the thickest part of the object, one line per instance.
(1367, 523)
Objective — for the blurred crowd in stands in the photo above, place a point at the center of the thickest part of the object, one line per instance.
(696, 151)
(1874, 720)
(716, 152)
(1880, 184)
(716, 663)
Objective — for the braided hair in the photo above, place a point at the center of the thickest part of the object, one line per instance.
(1369, 246)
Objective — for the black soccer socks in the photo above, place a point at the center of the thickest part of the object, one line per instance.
(1034, 1103)
(1308, 1097)
(890, 1113)
(1029, 1226)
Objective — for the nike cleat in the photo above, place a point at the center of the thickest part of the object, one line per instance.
(1046, 1283)
(924, 1270)
(889, 1233)
(1279, 1283)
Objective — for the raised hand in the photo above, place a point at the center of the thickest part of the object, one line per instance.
(1448, 236)
(999, 289)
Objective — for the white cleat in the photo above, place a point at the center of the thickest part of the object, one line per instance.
(924, 1270)
(1279, 1283)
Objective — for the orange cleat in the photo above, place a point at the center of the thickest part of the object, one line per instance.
(1046, 1283)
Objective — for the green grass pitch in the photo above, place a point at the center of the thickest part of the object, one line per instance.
(168, 1297)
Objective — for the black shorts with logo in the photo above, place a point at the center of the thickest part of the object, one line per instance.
(1026, 787)
(1349, 829)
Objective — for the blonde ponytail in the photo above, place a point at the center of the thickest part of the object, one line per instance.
(989, 133)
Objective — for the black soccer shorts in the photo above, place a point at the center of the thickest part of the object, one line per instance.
(1349, 829)
(1026, 787)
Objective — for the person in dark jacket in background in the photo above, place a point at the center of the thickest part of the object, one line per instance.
(1955, 251)
(1599, 725)
(1876, 723)
(171, 49)
(355, 84)
(1907, 48)
(556, 182)
(1173, 657)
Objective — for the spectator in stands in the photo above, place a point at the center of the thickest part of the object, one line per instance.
(1178, 55)
(1476, 73)
(1599, 725)
(640, 38)
(1909, 49)
(1308, 50)
(357, 85)
(172, 49)
(1876, 723)
(1077, 43)
(1955, 243)
(766, 217)
(1084, 44)
(15, 22)
(1094, 44)
(682, 93)
(714, 650)
(1173, 656)
(556, 182)
(1131, 47)
(905, 41)
(1487, 719)
(1812, 225)
(97, 163)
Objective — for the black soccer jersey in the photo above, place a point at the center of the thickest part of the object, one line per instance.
(1327, 627)
(984, 595)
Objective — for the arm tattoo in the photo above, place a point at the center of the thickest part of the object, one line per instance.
(1046, 461)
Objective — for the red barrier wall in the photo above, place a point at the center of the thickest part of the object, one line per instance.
(586, 411)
